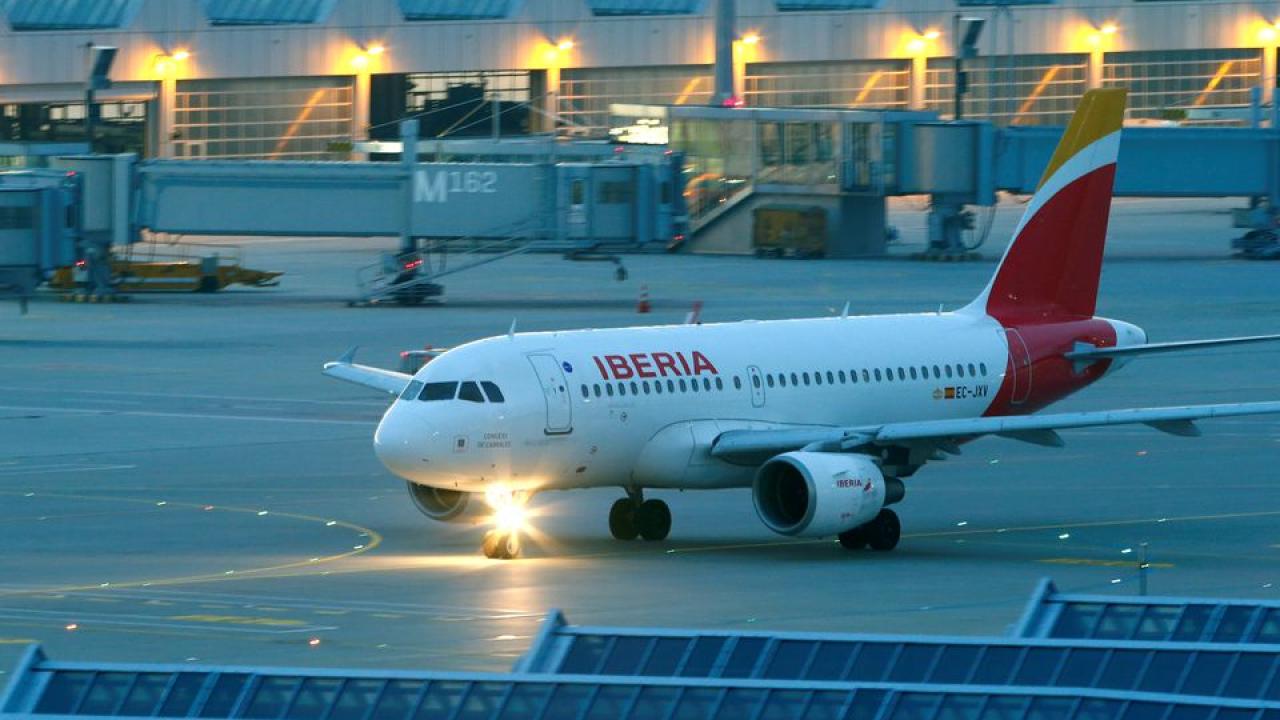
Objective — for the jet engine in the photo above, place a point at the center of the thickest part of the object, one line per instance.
(444, 505)
(817, 494)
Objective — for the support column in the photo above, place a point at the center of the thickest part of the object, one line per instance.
(1268, 73)
(915, 89)
(726, 33)
(550, 119)
(361, 101)
(1096, 59)
(166, 116)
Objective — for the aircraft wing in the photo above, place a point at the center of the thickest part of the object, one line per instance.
(385, 380)
(751, 445)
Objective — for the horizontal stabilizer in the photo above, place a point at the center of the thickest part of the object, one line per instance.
(1087, 352)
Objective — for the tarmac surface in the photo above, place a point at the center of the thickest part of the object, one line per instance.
(178, 483)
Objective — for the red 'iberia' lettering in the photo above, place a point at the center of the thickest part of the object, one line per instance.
(652, 365)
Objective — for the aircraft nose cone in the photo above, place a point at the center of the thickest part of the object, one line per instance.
(394, 444)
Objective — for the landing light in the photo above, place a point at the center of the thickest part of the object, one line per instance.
(510, 518)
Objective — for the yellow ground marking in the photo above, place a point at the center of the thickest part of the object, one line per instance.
(868, 86)
(330, 612)
(372, 539)
(689, 87)
(1093, 562)
(238, 620)
(388, 616)
(16, 641)
(1213, 83)
(1036, 92)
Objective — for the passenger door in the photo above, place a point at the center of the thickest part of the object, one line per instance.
(756, 380)
(1020, 363)
(555, 391)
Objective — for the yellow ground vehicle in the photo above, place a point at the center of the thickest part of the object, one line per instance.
(176, 267)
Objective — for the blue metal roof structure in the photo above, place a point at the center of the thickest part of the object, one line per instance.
(458, 9)
(35, 15)
(266, 12)
(44, 689)
(646, 7)
(1208, 670)
(1052, 614)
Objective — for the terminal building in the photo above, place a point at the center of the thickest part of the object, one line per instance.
(310, 79)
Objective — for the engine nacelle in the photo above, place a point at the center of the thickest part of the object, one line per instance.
(443, 504)
(816, 494)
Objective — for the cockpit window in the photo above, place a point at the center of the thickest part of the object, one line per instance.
(470, 392)
(495, 395)
(439, 391)
(411, 390)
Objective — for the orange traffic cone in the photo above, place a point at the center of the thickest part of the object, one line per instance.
(642, 306)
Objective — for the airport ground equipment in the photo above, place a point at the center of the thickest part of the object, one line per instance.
(1127, 667)
(168, 267)
(39, 229)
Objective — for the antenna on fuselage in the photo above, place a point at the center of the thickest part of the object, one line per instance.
(511, 331)
(844, 314)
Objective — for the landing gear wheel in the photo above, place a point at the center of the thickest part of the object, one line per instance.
(622, 520)
(854, 539)
(499, 545)
(884, 532)
(653, 520)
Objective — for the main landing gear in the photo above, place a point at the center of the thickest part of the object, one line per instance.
(882, 533)
(634, 516)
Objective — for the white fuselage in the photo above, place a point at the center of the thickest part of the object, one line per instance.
(640, 407)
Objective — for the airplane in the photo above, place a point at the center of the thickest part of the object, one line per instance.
(823, 418)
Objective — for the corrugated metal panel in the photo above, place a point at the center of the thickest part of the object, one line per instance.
(811, 5)
(646, 7)
(266, 12)
(458, 9)
(29, 15)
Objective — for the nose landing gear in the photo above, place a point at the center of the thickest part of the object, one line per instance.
(634, 516)
(500, 544)
(510, 521)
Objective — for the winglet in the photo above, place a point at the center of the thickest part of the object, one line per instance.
(348, 357)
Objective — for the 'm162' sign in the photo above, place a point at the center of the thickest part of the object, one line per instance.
(435, 186)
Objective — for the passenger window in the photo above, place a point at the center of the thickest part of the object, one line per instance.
(635, 388)
(948, 369)
(866, 376)
(657, 386)
(720, 383)
(817, 378)
(439, 391)
(983, 368)
(645, 386)
(596, 389)
(495, 395)
(924, 372)
(841, 375)
(470, 392)
(411, 390)
(622, 388)
(959, 370)
(737, 382)
(608, 389)
(769, 378)
(795, 380)
(831, 380)
(973, 372)
(586, 394)
(902, 375)
(693, 384)
(682, 386)
(671, 386)
(805, 376)
(706, 384)
(937, 373)
(888, 374)
(782, 379)
(864, 372)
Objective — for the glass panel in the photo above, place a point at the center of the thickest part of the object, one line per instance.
(1234, 713)
(438, 391)
(443, 697)
(223, 698)
(62, 693)
(1190, 712)
(1144, 711)
(1157, 622)
(913, 663)
(745, 657)
(471, 392)
(625, 656)
(701, 661)
(610, 703)
(871, 662)
(1164, 672)
(955, 664)
(271, 698)
(1206, 674)
(584, 655)
(1080, 668)
(697, 703)
(995, 665)
(1004, 708)
(1273, 692)
(960, 707)
(107, 692)
(567, 701)
(1269, 632)
(1122, 670)
(1235, 620)
(527, 699)
(1093, 709)
(653, 703)
(1038, 666)
(1191, 626)
(1247, 676)
(1118, 622)
(182, 694)
(789, 659)
(1076, 620)
(784, 705)
(146, 694)
(397, 700)
(1051, 708)
(830, 661)
(356, 699)
(482, 701)
(665, 657)
(914, 706)
(739, 703)
(827, 705)
(495, 394)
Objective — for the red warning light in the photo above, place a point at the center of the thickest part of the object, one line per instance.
(413, 264)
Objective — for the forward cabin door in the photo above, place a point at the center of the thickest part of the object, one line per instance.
(555, 391)
(1020, 365)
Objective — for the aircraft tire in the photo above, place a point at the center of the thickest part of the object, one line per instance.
(854, 538)
(653, 520)
(499, 545)
(884, 532)
(622, 520)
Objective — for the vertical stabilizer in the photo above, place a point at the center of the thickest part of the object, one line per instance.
(1050, 270)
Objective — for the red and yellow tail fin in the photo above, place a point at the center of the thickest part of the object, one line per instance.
(1051, 268)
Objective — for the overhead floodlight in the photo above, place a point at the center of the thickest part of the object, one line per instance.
(967, 30)
(100, 59)
(970, 31)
